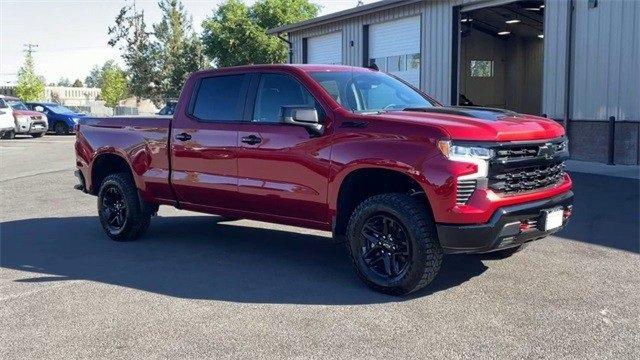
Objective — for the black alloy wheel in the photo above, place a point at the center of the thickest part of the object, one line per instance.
(385, 246)
(393, 243)
(114, 209)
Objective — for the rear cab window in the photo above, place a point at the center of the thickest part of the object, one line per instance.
(220, 98)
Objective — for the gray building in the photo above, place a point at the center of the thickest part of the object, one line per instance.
(576, 61)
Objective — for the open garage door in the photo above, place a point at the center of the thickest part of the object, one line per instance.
(394, 46)
(325, 49)
(501, 55)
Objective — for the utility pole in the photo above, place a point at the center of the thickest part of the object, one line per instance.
(30, 48)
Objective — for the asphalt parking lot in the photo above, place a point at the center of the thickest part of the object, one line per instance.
(198, 287)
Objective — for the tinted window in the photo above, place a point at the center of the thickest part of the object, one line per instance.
(276, 91)
(220, 98)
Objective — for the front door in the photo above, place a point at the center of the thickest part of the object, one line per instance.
(282, 168)
(204, 153)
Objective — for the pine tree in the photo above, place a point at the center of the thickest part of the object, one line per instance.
(179, 50)
(130, 31)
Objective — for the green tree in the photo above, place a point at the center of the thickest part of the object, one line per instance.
(130, 31)
(77, 83)
(236, 34)
(30, 86)
(114, 86)
(64, 82)
(178, 50)
(94, 79)
(270, 14)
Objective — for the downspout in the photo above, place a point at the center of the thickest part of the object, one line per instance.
(569, 93)
(289, 46)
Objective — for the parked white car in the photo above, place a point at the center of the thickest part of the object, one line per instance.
(6, 118)
(24, 121)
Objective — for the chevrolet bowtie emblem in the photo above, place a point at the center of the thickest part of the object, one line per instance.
(547, 150)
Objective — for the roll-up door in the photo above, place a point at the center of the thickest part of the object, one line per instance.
(325, 49)
(395, 48)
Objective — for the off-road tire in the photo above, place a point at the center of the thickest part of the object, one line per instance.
(9, 134)
(138, 214)
(426, 253)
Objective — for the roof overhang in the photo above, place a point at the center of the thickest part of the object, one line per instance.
(340, 15)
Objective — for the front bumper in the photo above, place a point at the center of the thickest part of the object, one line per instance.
(508, 227)
(36, 127)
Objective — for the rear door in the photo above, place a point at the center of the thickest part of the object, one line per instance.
(282, 168)
(204, 151)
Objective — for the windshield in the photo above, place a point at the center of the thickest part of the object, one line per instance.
(59, 109)
(17, 105)
(370, 91)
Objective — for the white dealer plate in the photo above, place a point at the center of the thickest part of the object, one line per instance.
(553, 220)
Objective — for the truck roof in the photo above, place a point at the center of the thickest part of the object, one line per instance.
(302, 67)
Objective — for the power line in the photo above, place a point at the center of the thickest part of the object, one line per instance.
(30, 48)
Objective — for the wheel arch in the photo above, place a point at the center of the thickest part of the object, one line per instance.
(105, 164)
(356, 185)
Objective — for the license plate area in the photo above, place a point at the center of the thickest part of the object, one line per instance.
(552, 218)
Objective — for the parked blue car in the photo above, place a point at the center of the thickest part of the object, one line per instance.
(62, 120)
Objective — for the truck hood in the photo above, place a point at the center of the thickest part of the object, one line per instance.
(481, 124)
(27, 112)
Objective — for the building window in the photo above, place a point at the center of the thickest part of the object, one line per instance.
(413, 62)
(481, 68)
(397, 63)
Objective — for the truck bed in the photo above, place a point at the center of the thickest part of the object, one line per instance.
(141, 140)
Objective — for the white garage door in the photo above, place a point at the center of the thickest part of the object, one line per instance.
(395, 48)
(325, 49)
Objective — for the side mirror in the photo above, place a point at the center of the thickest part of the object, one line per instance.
(302, 116)
(39, 108)
(2, 112)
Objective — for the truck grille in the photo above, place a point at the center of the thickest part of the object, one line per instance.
(526, 167)
(530, 151)
(528, 178)
(465, 189)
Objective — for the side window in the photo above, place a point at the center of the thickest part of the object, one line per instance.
(276, 91)
(3, 105)
(220, 98)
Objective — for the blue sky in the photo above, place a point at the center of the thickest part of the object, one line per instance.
(72, 34)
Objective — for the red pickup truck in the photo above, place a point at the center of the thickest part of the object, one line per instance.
(399, 177)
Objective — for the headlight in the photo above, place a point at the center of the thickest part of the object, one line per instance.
(470, 154)
(23, 118)
(462, 152)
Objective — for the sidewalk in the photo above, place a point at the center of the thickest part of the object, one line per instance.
(624, 171)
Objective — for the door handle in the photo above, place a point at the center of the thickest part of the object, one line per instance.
(183, 137)
(251, 139)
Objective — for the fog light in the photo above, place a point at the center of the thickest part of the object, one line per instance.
(567, 211)
(524, 225)
(507, 241)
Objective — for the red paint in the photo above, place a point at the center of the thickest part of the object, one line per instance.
(291, 177)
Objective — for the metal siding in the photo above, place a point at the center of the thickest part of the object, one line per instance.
(436, 54)
(606, 71)
(556, 35)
